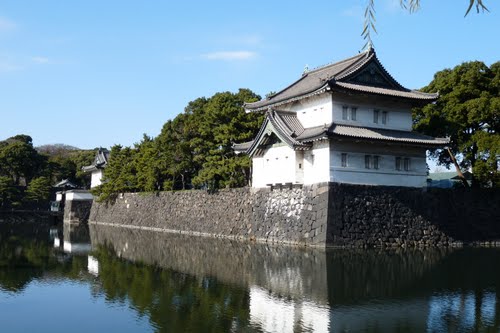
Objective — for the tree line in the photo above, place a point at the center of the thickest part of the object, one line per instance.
(193, 150)
(28, 173)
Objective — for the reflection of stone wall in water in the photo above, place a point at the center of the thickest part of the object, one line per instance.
(295, 273)
(76, 233)
(328, 277)
(29, 225)
(317, 215)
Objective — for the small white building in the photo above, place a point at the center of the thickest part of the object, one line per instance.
(347, 122)
(97, 167)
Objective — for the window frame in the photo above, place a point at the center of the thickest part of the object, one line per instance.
(376, 114)
(343, 160)
(368, 161)
(397, 163)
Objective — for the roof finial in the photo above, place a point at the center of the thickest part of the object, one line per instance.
(306, 69)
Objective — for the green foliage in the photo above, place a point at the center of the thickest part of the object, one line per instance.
(224, 122)
(38, 189)
(19, 160)
(9, 194)
(65, 162)
(192, 150)
(120, 175)
(468, 111)
(175, 302)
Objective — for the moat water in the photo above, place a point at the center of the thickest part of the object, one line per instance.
(106, 279)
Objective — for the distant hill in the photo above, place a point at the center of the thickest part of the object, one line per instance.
(56, 149)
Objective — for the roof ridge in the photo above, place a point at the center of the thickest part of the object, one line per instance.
(317, 69)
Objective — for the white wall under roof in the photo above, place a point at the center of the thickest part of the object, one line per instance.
(356, 173)
(398, 115)
(276, 166)
(96, 178)
(317, 162)
(312, 111)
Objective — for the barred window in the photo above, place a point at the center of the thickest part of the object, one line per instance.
(398, 163)
(344, 160)
(407, 164)
(344, 112)
(384, 117)
(375, 116)
(368, 159)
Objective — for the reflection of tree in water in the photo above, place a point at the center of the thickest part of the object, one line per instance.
(23, 260)
(174, 301)
(356, 275)
(20, 262)
(475, 274)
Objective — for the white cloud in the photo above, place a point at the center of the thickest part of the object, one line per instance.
(6, 24)
(40, 60)
(229, 55)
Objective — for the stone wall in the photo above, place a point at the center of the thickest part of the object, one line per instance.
(77, 211)
(370, 216)
(322, 214)
(287, 215)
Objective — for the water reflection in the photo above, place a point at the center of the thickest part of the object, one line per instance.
(293, 290)
(174, 283)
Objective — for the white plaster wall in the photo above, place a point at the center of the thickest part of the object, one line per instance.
(276, 166)
(96, 178)
(80, 195)
(386, 174)
(317, 163)
(59, 196)
(312, 111)
(398, 115)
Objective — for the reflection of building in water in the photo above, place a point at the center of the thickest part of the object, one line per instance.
(93, 265)
(76, 239)
(278, 314)
(291, 290)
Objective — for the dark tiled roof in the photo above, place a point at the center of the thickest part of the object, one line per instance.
(340, 74)
(333, 130)
(100, 161)
(285, 126)
(412, 94)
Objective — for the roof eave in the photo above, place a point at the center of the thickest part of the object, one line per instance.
(324, 88)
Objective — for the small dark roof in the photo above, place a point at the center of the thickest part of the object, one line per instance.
(361, 73)
(66, 183)
(288, 129)
(100, 161)
(283, 124)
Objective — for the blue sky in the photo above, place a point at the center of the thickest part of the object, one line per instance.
(98, 73)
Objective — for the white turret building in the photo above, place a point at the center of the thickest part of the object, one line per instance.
(96, 169)
(347, 122)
